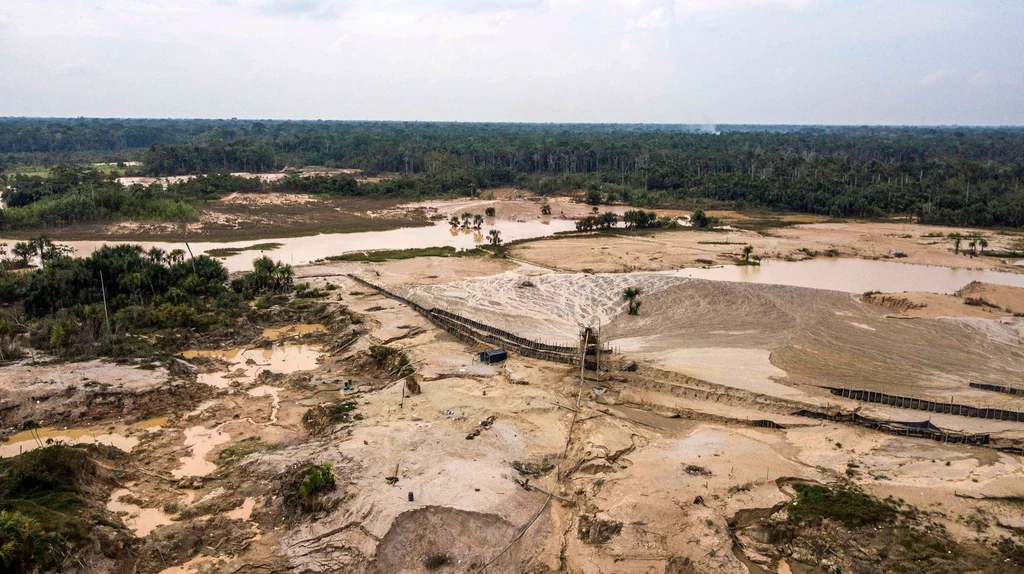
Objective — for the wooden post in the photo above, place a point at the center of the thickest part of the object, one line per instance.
(106, 312)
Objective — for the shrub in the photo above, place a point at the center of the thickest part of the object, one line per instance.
(266, 277)
(844, 503)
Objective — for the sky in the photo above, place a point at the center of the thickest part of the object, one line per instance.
(896, 62)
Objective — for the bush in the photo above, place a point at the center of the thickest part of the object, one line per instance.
(40, 502)
(845, 503)
(306, 486)
(266, 277)
(319, 479)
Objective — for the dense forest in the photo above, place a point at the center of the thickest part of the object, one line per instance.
(957, 176)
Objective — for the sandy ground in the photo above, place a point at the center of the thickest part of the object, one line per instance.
(616, 492)
(977, 299)
(520, 205)
(665, 251)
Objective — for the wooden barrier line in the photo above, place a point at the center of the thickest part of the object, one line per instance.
(998, 389)
(929, 406)
(907, 429)
(473, 332)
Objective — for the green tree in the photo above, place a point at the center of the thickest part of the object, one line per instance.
(747, 250)
(700, 220)
(494, 238)
(545, 209)
(24, 251)
(632, 296)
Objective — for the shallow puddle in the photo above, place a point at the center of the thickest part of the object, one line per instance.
(25, 441)
(268, 391)
(243, 512)
(293, 331)
(201, 441)
(141, 521)
(246, 364)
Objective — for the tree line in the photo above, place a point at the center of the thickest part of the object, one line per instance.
(958, 176)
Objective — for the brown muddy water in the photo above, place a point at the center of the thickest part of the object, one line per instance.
(25, 441)
(855, 275)
(302, 250)
(140, 520)
(246, 364)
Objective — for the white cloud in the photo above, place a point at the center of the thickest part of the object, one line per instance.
(940, 75)
(691, 7)
(654, 18)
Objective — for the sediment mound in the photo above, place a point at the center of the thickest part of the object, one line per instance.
(441, 539)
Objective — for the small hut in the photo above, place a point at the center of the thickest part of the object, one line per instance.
(493, 356)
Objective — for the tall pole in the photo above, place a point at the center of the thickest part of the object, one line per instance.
(106, 312)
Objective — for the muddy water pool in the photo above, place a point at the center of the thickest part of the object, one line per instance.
(855, 275)
(25, 441)
(246, 364)
(301, 250)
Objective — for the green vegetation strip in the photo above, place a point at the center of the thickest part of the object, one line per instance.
(396, 254)
(222, 252)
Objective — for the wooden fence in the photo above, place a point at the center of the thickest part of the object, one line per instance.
(473, 332)
(908, 429)
(929, 406)
(998, 389)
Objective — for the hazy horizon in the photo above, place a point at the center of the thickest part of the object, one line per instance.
(691, 62)
(525, 122)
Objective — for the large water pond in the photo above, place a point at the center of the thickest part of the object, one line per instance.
(855, 275)
(300, 250)
(839, 274)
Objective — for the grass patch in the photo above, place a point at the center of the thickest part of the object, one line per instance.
(844, 503)
(244, 448)
(322, 417)
(397, 254)
(222, 252)
(40, 506)
(305, 487)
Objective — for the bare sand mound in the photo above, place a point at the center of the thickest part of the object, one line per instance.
(976, 299)
(776, 334)
(441, 539)
(549, 307)
(1009, 299)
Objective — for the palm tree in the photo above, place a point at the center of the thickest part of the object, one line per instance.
(631, 294)
(21, 535)
(24, 251)
(157, 255)
(983, 243)
(957, 240)
(176, 256)
(974, 246)
(545, 209)
(478, 221)
(494, 237)
(454, 221)
(747, 250)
